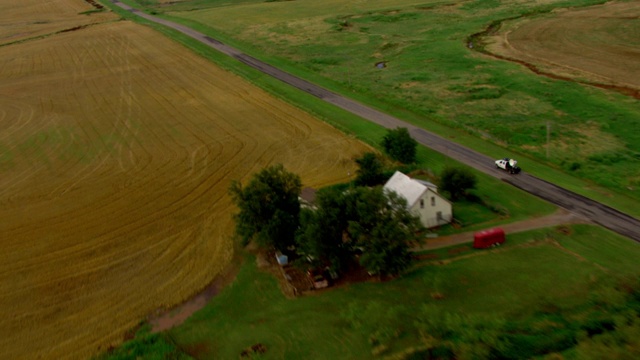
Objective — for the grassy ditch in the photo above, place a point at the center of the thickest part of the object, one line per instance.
(431, 79)
(557, 273)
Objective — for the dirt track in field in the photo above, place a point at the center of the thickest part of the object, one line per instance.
(117, 147)
(29, 19)
(596, 45)
(560, 217)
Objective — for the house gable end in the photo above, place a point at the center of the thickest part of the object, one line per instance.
(406, 187)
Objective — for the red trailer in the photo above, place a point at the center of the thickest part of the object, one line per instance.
(488, 238)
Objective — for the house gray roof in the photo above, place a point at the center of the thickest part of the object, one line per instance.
(407, 187)
(430, 185)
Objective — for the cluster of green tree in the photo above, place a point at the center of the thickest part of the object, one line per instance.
(454, 181)
(398, 145)
(359, 221)
(269, 207)
(606, 326)
(457, 182)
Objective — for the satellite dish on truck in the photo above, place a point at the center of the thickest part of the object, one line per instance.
(509, 165)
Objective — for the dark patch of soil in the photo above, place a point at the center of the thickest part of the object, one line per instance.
(167, 318)
(458, 250)
(254, 349)
(353, 274)
(73, 28)
(197, 350)
(564, 230)
(420, 257)
(95, 4)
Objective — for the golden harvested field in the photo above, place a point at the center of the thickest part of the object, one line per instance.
(117, 147)
(597, 44)
(20, 20)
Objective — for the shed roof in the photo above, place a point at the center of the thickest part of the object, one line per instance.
(406, 187)
(308, 194)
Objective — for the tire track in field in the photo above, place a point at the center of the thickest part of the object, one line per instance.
(551, 45)
(595, 211)
(140, 218)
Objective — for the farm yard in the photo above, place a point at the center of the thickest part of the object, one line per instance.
(539, 285)
(117, 147)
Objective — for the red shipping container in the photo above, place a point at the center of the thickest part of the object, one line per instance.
(488, 238)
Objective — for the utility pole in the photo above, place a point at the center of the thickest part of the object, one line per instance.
(548, 136)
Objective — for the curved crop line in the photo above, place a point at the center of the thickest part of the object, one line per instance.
(477, 43)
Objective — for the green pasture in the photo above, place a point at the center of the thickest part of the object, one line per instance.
(432, 79)
(518, 281)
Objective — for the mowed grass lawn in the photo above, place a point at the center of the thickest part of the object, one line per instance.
(577, 136)
(531, 270)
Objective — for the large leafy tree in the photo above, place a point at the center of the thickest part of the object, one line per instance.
(370, 170)
(370, 219)
(457, 181)
(400, 146)
(322, 230)
(383, 228)
(269, 207)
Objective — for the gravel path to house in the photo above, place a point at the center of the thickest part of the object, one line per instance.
(560, 217)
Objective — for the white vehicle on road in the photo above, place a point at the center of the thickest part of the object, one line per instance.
(509, 165)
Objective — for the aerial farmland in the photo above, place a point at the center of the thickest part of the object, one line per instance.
(117, 147)
(119, 140)
(509, 72)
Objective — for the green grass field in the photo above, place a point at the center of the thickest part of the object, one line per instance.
(517, 282)
(433, 80)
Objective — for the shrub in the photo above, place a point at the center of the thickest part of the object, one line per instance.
(400, 146)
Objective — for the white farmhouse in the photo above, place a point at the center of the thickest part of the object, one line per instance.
(422, 198)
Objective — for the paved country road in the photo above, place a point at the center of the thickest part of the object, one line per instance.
(589, 209)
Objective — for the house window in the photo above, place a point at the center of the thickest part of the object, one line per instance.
(433, 201)
(421, 203)
(439, 215)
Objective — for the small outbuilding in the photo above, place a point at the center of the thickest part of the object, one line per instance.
(488, 238)
(308, 198)
(282, 259)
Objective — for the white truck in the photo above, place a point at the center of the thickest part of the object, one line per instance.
(509, 165)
